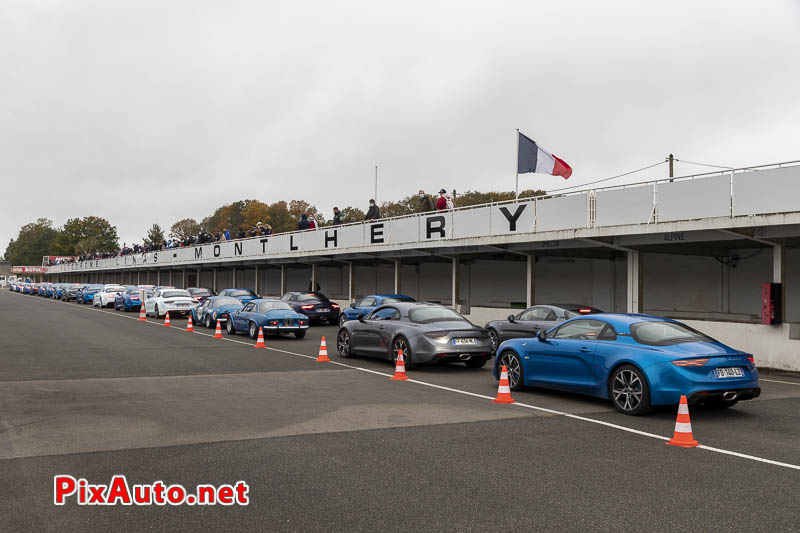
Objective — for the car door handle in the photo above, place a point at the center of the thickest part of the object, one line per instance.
(584, 349)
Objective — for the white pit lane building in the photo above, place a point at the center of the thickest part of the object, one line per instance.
(695, 248)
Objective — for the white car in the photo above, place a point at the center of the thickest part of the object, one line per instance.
(176, 301)
(105, 297)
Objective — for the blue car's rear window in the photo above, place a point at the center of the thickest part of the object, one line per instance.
(662, 333)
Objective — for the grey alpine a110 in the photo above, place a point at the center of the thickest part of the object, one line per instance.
(427, 333)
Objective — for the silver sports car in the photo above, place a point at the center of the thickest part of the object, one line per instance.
(427, 333)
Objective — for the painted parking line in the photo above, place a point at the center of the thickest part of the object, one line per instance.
(484, 397)
(776, 381)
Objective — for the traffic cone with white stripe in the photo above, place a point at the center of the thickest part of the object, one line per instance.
(190, 325)
(218, 331)
(260, 340)
(167, 323)
(503, 389)
(142, 314)
(323, 352)
(683, 427)
(400, 368)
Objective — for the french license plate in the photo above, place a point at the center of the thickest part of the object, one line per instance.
(323, 310)
(464, 341)
(184, 305)
(730, 372)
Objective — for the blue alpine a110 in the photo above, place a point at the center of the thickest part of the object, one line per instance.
(214, 309)
(274, 316)
(636, 361)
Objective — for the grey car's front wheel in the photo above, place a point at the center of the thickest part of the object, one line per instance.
(342, 320)
(513, 364)
(628, 391)
(343, 345)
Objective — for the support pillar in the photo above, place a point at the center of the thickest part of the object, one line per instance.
(158, 277)
(214, 281)
(184, 279)
(233, 276)
(778, 269)
(283, 280)
(256, 283)
(634, 282)
(530, 281)
(455, 288)
(350, 295)
(199, 283)
(138, 277)
(313, 276)
(397, 276)
(170, 279)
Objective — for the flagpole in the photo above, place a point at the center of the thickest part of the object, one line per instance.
(516, 169)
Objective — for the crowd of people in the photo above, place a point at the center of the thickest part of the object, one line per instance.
(426, 204)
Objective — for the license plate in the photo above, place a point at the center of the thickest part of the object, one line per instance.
(184, 305)
(464, 341)
(730, 372)
(323, 310)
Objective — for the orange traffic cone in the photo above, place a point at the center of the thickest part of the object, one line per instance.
(683, 427)
(142, 314)
(260, 341)
(218, 331)
(503, 390)
(189, 325)
(323, 352)
(167, 323)
(400, 368)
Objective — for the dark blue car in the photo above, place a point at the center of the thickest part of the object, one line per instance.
(213, 309)
(131, 299)
(273, 316)
(86, 294)
(243, 295)
(634, 360)
(315, 305)
(367, 304)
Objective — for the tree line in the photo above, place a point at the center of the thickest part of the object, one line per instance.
(88, 235)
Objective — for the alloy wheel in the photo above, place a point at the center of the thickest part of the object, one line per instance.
(343, 343)
(400, 344)
(513, 367)
(494, 340)
(627, 390)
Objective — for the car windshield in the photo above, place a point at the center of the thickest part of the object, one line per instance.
(659, 333)
(200, 292)
(307, 296)
(174, 294)
(428, 315)
(115, 289)
(394, 299)
(219, 302)
(240, 293)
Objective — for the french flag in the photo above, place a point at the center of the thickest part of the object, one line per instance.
(531, 157)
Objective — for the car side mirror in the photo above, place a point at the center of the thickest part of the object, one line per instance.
(361, 318)
(541, 335)
(512, 318)
(353, 303)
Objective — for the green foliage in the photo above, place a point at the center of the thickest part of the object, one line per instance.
(86, 235)
(34, 241)
(352, 214)
(155, 235)
(185, 227)
(477, 198)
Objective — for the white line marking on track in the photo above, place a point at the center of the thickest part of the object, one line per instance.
(776, 381)
(482, 396)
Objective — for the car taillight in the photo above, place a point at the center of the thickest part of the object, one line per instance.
(134, 297)
(273, 322)
(752, 360)
(306, 307)
(302, 322)
(335, 306)
(690, 362)
(584, 311)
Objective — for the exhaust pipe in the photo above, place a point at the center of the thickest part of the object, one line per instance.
(729, 396)
(464, 356)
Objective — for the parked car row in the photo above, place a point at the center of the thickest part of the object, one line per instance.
(636, 361)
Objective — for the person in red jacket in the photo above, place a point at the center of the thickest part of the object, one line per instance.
(441, 202)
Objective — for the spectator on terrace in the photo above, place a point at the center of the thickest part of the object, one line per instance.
(373, 213)
(337, 216)
(425, 202)
(312, 224)
(303, 224)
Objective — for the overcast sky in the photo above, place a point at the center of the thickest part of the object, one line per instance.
(152, 111)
